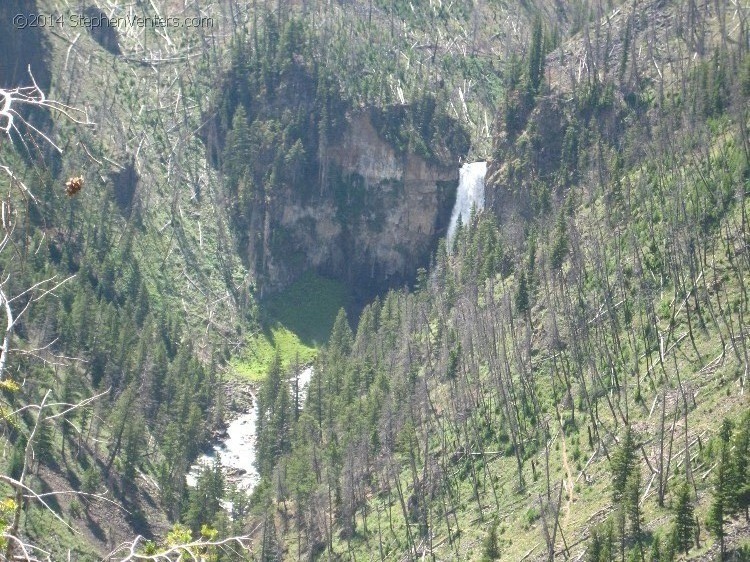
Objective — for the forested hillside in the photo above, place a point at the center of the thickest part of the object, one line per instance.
(117, 288)
(185, 208)
(556, 384)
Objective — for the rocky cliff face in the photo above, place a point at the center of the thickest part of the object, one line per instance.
(373, 223)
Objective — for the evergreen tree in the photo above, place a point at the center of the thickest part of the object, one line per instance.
(274, 418)
(536, 57)
(18, 458)
(132, 449)
(270, 548)
(70, 394)
(684, 525)
(341, 340)
(560, 244)
(669, 548)
(740, 468)
(91, 480)
(602, 545)
(491, 549)
(655, 554)
(120, 420)
(623, 462)
(43, 440)
(238, 148)
(522, 294)
(595, 547)
(204, 501)
(454, 357)
(722, 497)
(633, 505)
(715, 520)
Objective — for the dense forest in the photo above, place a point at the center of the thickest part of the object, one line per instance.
(195, 216)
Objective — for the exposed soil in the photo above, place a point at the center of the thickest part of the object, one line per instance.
(107, 521)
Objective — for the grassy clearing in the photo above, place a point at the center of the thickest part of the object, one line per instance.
(296, 321)
(261, 347)
(308, 308)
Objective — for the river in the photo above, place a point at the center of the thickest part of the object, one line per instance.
(236, 449)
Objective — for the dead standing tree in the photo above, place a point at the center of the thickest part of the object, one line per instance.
(12, 122)
(16, 546)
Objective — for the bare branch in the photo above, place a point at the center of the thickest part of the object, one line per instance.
(12, 320)
(12, 99)
(126, 552)
(24, 191)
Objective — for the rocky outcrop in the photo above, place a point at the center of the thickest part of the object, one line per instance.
(525, 155)
(536, 151)
(373, 223)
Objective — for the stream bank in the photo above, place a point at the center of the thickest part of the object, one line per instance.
(235, 447)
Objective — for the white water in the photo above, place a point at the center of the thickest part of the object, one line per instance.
(236, 453)
(237, 450)
(303, 380)
(470, 194)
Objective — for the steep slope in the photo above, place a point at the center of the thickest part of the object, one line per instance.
(547, 388)
(152, 298)
(156, 294)
(566, 365)
(340, 135)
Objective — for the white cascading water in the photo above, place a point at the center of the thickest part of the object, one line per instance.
(303, 381)
(236, 451)
(470, 194)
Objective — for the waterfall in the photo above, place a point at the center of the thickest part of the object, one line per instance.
(470, 194)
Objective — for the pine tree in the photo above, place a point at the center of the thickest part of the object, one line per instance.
(560, 244)
(623, 461)
(595, 548)
(132, 449)
(454, 357)
(608, 542)
(266, 400)
(270, 551)
(536, 57)
(204, 501)
(238, 148)
(684, 525)
(669, 548)
(522, 294)
(633, 506)
(740, 469)
(655, 554)
(91, 480)
(490, 549)
(281, 421)
(43, 440)
(18, 458)
(722, 499)
(70, 392)
(716, 519)
(340, 343)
